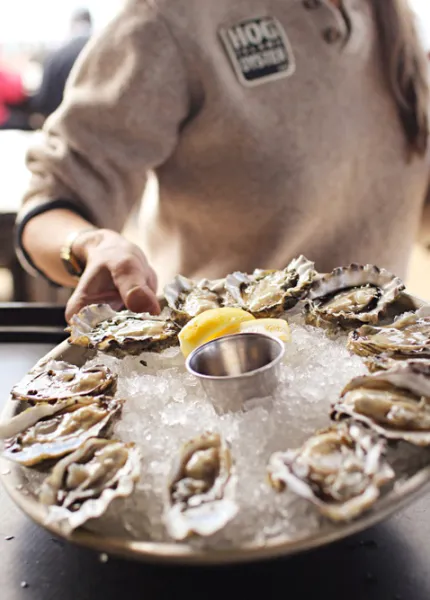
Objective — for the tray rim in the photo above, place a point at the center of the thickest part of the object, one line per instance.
(11, 475)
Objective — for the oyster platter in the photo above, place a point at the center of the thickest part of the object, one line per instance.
(110, 441)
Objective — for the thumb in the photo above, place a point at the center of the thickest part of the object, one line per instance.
(131, 280)
(141, 298)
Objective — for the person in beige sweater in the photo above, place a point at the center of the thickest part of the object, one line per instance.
(273, 128)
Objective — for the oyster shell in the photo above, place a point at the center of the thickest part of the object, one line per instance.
(201, 488)
(121, 333)
(57, 380)
(82, 485)
(56, 434)
(407, 337)
(340, 470)
(30, 416)
(350, 296)
(379, 363)
(269, 293)
(187, 299)
(395, 403)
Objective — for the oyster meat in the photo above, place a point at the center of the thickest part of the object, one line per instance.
(395, 402)
(340, 470)
(383, 362)
(52, 435)
(201, 489)
(121, 333)
(30, 416)
(269, 293)
(350, 296)
(57, 380)
(407, 337)
(82, 485)
(187, 299)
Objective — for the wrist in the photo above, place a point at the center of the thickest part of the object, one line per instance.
(79, 246)
(84, 241)
(74, 252)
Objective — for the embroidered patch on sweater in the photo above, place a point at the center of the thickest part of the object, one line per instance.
(259, 50)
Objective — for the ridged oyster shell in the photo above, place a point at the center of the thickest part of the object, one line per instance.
(82, 485)
(269, 293)
(407, 337)
(350, 296)
(340, 470)
(50, 433)
(395, 403)
(201, 488)
(57, 380)
(383, 362)
(187, 298)
(121, 333)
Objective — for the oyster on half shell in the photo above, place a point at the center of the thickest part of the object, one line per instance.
(82, 485)
(350, 296)
(269, 293)
(201, 488)
(55, 433)
(407, 337)
(121, 333)
(41, 410)
(57, 380)
(340, 470)
(381, 362)
(395, 402)
(187, 299)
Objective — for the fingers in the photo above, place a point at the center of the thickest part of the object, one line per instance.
(118, 274)
(75, 303)
(71, 308)
(152, 280)
(142, 299)
(94, 287)
(81, 298)
(138, 299)
(135, 284)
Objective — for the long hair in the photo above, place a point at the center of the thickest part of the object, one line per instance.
(407, 68)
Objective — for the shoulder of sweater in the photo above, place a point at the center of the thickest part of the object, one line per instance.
(172, 11)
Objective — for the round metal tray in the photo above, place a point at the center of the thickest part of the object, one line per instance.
(15, 481)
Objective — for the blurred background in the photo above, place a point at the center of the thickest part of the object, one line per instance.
(39, 43)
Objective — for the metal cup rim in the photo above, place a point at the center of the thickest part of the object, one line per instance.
(269, 365)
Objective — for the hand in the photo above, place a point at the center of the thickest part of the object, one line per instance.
(116, 273)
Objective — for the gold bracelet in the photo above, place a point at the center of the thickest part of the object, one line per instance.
(70, 262)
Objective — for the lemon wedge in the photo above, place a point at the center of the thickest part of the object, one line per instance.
(276, 327)
(211, 324)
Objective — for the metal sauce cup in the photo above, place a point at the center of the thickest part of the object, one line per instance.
(235, 368)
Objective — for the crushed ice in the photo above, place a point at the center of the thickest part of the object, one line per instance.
(166, 407)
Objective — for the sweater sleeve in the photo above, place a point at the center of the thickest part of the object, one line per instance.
(123, 106)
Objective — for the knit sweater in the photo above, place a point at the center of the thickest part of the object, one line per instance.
(270, 127)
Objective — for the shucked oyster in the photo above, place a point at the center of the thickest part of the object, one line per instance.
(201, 489)
(340, 470)
(407, 337)
(350, 296)
(57, 380)
(53, 435)
(395, 403)
(269, 293)
(82, 485)
(41, 410)
(187, 299)
(120, 333)
(383, 362)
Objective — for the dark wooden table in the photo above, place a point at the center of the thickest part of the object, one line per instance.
(388, 562)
